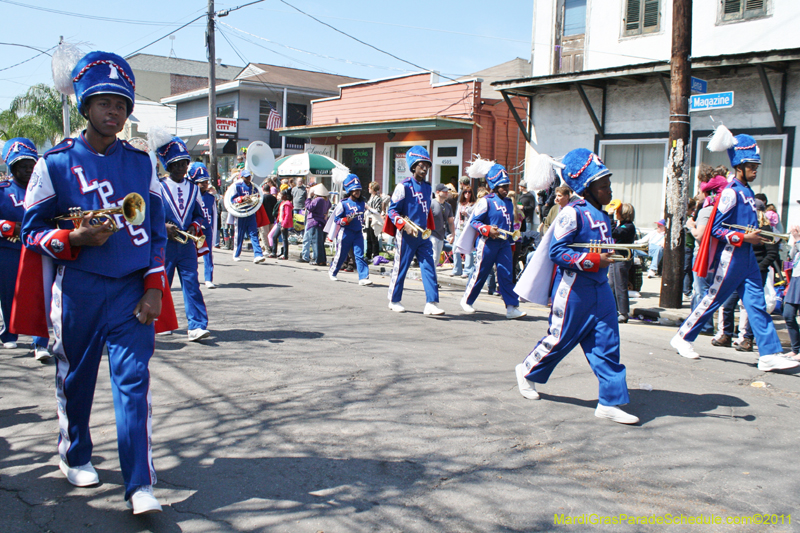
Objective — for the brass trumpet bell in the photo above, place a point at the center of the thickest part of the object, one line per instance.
(184, 236)
(504, 234)
(426, 233)
(752, 229)
(132, 210)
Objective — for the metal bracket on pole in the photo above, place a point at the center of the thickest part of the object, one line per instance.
(664, 85)
(522, 127)
(777, 116)
(598, 125)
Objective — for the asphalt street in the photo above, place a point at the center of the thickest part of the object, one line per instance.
(313, 408)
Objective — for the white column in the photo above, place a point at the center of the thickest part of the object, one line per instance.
(283, 119)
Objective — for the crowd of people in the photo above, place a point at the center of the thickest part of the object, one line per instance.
(104, 276)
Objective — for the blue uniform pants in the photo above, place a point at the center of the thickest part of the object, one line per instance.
(208, 265)
(737, 270)
(247, 226)
(183, 257)
(406, 248)
(346, 241)
(583, 312)
(9, 266)
(491, 252)
(88, 312)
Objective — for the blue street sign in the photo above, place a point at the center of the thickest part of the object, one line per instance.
(699, 86)
(707, 102)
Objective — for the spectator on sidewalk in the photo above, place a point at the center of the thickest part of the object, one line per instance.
(527, 202)
(374, 220)
(443, 219)
(623, 232)
(563, 194)
(655, 242)
(317, 207)
(286, 221)
(466, 203)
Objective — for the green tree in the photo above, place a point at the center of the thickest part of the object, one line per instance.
(37, 116)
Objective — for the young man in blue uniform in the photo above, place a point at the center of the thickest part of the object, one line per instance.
(349, 214)
(183, 210)
(20, 155)
(198, 174)
(583, 308)
(109, 285)
(246, 226)
(493, 220)
(412, 199)
(728, 254)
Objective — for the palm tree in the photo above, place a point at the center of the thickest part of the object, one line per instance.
(37, 115)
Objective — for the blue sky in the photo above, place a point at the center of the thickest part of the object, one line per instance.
(453, 37)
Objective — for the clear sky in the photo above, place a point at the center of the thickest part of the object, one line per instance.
(451, 36)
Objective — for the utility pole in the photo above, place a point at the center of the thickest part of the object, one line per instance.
(679, 150)
(65, 105)
(212, 97)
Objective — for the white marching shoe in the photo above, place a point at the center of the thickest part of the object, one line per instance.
(612, 412)
(9, 345)
(466, 307)
(237, 258)
(364, 282)
(397, 307)
(684, 347)
(210, 285)
(776, 361)
(197, 334)
(80, 476)
(142, 501)
(332, 277)
(258, 260)
(431, 309)
(41, 354)
(513, 312)
(526, 387)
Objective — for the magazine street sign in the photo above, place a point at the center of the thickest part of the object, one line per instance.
(707, 102)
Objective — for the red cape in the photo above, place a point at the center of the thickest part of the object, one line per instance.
(30, 308)
(708, 246)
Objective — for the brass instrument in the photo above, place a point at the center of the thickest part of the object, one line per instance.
(504, 234)
(598, 247)
(426, 233)
(184, 236)
(132, 210)
(752, 229)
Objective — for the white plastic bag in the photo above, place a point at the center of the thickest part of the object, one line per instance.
(770, 295)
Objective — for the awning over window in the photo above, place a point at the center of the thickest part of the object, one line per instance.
(378, 126)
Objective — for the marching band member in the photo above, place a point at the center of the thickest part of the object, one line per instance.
(583, 308)
(246, 226)
(349, 215)
(412, 199)
(183, 210)
(493, 220)
(198, 174)
(109, 286)
(728, 253)
(20, 155)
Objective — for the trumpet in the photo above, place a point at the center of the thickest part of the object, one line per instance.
(426, 233)
(183, 237)
(504, 234)
(751, 229)
(132, 210)
(598, 247)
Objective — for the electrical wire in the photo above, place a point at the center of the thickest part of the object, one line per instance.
(163, 37)
(90, 17)
(43, 52)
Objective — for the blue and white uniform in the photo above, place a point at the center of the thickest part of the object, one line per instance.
(97, 288)
(12, 199)
(245, 226)
(583, 307)
(350, 236)
(210, 217)
(491, 210)
(735, 268)
(412, 199)
(184, 209)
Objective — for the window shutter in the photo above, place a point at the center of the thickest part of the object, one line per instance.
(651, 15)
(632, 16)
(732, 7)
(754, 6)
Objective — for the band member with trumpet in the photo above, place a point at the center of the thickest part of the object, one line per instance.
(244, 191)
(183, 210)
(20, 155)
(199, 175)
(583, 309)
(728, 253)
(410, 212)
(349, 215)
(108, 286)
(493, 221)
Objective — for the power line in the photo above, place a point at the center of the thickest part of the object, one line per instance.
(91, 17)
(163, 37)
(29, 59)
(26, 46)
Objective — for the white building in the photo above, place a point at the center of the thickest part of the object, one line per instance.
(600, 79)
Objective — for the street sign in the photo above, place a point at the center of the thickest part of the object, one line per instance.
(699, 86)
(707, 102)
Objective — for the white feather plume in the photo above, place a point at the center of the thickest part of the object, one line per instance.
(479, 168)
(158, 136)
(722, 140)
(541, 172)
(338, 175)
(64, 60)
